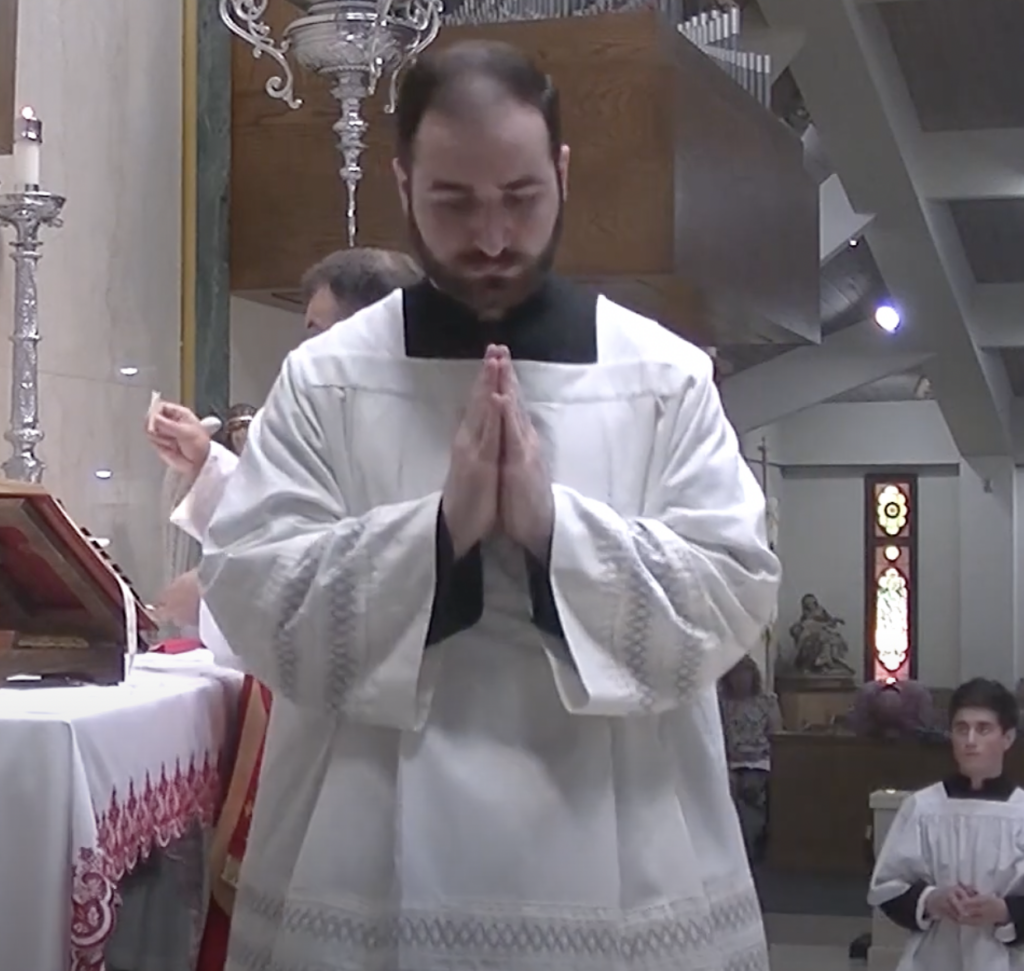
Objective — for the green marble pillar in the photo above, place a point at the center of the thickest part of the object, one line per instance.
(207, 335)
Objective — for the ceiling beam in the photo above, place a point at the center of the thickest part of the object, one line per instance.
(856, 95)
(986, 164)
(838, 223)
(799, 379)
(997, 315)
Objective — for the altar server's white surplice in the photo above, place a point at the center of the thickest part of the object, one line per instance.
(938, 841)
(503, 799)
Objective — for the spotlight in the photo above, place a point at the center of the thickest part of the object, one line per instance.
(888, 318)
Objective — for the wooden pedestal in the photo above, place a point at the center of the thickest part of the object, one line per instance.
(813, 702)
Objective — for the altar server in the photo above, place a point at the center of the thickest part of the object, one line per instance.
(491, 544)
(951, 869)
(334, 289)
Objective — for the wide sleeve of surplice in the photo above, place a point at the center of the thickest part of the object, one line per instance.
(900, 869)
(195, 511)
(330, 610)
(657, 607)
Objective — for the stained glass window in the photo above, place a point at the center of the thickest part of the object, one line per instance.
(891, 578)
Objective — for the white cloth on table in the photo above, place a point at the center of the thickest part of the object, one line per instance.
(501, 799)
(93, 778)
(946, 842)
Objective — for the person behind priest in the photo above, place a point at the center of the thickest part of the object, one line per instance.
(334, 289)
(951, 869)
(491, 545)
(893, 709)
(750, 716)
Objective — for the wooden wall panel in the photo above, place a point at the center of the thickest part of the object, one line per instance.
(680, 183)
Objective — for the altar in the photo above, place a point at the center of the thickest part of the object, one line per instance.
(94, 779)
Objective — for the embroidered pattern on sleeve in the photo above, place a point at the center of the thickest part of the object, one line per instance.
(345, 584)
(629, 569)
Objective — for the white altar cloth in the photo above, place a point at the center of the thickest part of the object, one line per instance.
(91, 780)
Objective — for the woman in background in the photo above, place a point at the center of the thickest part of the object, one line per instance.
(750, 716)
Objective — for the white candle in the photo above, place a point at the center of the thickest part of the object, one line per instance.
(28, 144)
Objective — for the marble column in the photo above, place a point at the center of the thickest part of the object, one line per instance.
(209, 347)
(988, 575)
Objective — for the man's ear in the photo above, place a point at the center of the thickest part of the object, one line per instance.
(402, 181)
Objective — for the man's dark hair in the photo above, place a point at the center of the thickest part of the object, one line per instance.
(469, 77)
(360, 277)
(988, 696)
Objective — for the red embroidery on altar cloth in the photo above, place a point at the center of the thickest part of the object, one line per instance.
(131, 827)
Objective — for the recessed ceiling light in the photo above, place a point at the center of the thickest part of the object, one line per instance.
(854, 241)
(103, 474)
(887, 317)
(129, 372)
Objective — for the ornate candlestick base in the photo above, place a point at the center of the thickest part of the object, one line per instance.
(27, 212)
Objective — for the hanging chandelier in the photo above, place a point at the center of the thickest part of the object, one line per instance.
(356, 44)
(353, 43)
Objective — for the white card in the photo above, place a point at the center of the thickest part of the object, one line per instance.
(154, 406)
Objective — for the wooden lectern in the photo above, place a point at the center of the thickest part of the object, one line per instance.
(62, 599)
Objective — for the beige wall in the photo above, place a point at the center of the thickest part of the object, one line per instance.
(106, 80)
(261, 338)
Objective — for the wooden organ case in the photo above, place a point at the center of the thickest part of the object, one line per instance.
(62, 599)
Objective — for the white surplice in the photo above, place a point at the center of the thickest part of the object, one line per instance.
(943, 842)
(503, 799)
(192, 515)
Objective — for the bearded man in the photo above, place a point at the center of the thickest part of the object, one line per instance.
(491, 544)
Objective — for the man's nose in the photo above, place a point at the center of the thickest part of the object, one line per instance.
(492, 231)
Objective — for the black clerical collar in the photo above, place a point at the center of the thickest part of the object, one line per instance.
(998, 789)
(556, 324)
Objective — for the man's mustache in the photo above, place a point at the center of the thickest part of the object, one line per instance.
(480, 261)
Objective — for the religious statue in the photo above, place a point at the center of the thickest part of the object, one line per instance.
(820, 649)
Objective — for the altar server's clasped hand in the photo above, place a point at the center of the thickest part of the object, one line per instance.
(497, 477)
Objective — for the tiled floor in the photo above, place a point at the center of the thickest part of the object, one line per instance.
(800, 957)
(802, 943)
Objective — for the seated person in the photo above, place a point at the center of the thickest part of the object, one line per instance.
(951, 869)
(892, 709)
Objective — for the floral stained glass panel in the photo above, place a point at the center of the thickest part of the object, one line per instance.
(892, 511)
(891, 580)
(892, 620)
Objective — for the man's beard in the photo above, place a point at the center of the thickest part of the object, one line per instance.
(489, 295)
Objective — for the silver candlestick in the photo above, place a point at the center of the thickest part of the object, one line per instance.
(27, 212)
